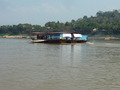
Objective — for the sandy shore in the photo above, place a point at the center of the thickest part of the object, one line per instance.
(103, 38)
(16, 36)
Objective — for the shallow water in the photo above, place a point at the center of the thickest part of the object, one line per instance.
(91, 66)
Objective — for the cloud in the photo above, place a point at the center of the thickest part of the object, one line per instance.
(39, 11)
(3, 5)
(12, 12)
(43, 8)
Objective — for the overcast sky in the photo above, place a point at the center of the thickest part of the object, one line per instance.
(41, 11)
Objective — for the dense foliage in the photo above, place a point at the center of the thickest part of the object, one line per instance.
(105, 22)
(18, 29)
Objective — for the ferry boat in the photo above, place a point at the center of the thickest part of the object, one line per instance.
(59, 37)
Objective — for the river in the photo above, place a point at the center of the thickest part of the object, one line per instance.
(91, 66)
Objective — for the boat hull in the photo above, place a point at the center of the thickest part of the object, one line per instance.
(38, 41)
(65, 41)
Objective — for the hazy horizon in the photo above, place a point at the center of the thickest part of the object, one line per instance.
(42, 11)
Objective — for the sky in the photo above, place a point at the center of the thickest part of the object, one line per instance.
(13, 12)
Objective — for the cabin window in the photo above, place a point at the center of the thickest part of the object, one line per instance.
(54, 36)
(77, 35)
(67, 35)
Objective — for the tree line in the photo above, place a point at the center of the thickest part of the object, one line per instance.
(105, 22)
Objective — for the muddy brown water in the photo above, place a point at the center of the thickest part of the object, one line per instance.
(91, 66)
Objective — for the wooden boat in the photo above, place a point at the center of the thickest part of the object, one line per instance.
(38, 41)
(59, 37)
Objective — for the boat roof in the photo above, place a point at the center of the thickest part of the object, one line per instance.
(53, 32)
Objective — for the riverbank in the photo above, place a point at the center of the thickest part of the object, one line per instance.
(14, 36)
(90, 38)
(103, 38)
